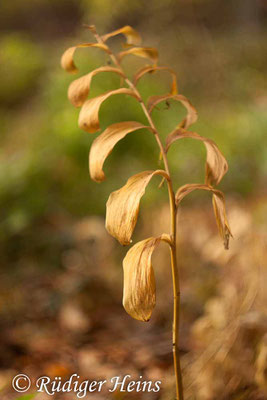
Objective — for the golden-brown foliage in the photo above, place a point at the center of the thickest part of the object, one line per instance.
(123, 204)
(139, 292)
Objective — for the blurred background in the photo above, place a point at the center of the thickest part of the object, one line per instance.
(61, 273)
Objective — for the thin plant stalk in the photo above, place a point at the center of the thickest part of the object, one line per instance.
(173, 246)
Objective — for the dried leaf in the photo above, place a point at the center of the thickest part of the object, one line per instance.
(67, 61)
(221, 218)
(139, 288)
(89, 118)
(216, 164)
(188, 188)
(145, 52)
(191, 111)
(153, 68)
(123, 205)
(104, 143)
(79, 89)
(132, 36)
(218, 205)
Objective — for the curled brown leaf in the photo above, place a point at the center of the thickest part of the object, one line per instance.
(89, 118)
(218, 206)
(216, 164)
(132, 36)
(191, 116)
(139, 288)
(104, 143)
(154, 68)
(123, 205)
(145, 52)
(67, 61)
(79, 89)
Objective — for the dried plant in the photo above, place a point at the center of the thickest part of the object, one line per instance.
(123, 204)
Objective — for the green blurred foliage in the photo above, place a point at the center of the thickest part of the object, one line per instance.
(44, 156)
(27, 397)
(21, 64)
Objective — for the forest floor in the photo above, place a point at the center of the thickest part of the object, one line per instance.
(58, 321)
